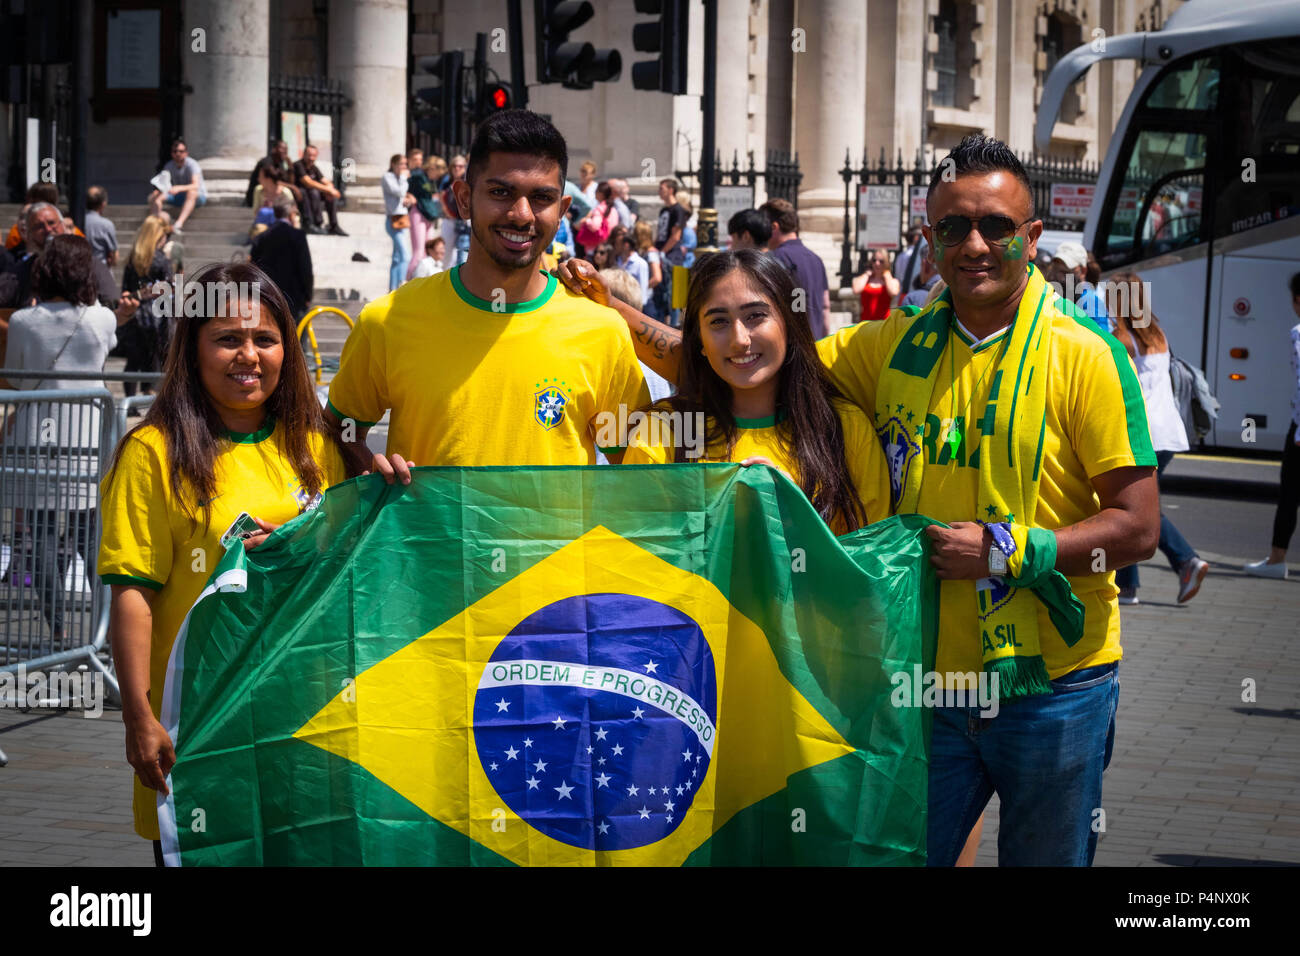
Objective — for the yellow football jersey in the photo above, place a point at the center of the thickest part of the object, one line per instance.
(472, 382)
(1095, 423)
(148, 539)
(767, 438)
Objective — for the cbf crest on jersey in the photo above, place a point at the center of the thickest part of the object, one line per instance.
(901, 447)
(550, 402)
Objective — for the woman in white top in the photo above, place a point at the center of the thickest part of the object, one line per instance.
(397, 222)
(67, 330)
(1139, 330)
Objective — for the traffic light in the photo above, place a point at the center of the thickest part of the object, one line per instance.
(575, 64)
(443, 115)
(495, 98)
(668, 39)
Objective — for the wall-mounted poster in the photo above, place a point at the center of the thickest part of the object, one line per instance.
(131, 49)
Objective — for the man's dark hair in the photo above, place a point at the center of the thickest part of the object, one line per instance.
(43, 192)
(671, 184)
(178, 142)
(516, 131)
(978, 153)
(63, 270)
(1295, 285)
(781, 214)
(753, 222)
(96, 196)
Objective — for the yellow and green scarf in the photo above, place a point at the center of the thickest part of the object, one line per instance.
(1010, 465)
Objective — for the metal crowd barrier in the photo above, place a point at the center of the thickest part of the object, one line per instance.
(55, 445)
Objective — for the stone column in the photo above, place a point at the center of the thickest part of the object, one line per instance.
(733, 80)
(227, 64)
(829, 106)
(367, 52)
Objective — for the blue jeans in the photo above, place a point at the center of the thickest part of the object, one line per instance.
(1172, 543)
(401, 253)
(1043, 756)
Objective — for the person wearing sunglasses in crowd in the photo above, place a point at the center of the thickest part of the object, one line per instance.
(1016, 422)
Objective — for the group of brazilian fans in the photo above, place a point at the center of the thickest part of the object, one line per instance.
(458, 359)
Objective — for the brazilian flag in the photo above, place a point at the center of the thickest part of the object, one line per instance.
(644, 665)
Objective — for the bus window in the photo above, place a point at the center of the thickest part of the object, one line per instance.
(1156, 207)
(1261, 172)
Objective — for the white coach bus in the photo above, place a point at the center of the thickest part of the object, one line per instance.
(1200, 195)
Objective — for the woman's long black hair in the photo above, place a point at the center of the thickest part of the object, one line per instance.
(808, 424)
(189, 423)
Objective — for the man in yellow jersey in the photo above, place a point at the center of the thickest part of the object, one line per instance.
(493, 362)
(1005, 413)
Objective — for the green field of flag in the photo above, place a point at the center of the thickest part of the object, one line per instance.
(647, 665)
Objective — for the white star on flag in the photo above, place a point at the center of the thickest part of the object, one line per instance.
(603, 828)
(618, 750)
(632, 790)
(601, 761)
(532, 783)
(679, 790)
(511, 753)
(559, 723)
(540, 766)
(503, 704)
(645, 813)
(601, 733)
(686, 755)
(492, 766)
(564, 790)
(602, 781)
(528, 741)
(651, 667)
(669, 806)
(637, 713)
(589, 749)
(652, 791)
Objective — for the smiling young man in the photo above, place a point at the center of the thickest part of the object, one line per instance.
(492, 362)
(1005, 413)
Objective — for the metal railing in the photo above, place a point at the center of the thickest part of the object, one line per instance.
(305, 323)
(1043, 172)
(781, 178)
(54, 447)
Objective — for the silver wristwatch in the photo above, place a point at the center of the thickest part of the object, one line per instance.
(997, 560)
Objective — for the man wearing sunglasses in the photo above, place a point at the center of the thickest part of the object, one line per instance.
(1006, 414)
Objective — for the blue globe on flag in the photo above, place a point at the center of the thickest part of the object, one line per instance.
(595, 719)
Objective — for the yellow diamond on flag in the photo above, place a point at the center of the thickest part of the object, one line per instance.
(603, 707)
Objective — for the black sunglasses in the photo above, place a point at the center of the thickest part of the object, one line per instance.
(953, 230)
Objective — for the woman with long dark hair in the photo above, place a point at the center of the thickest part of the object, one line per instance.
(749, 367)
(234, 444)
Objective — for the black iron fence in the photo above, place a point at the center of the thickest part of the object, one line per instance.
(1043, 171)
(307, 95)
(781, 177)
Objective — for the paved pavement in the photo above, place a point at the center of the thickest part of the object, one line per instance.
(1200, 776)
